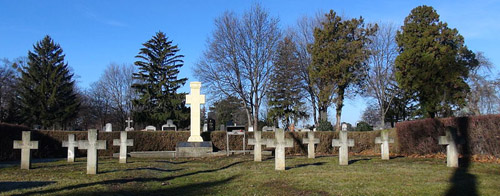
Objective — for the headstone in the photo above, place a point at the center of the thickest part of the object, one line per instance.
(26, 145)
(279, 143)
(451, 147)
(92, 145)
(205, 127)
(266, 128)
(123, 142)
(70, 144)
(222, 128)
(129, 128)
(310, 141)
(343, 143)
(384, 141)
(170, 124)
(109, 127)
(257, 142)
(250, 129)
(195, 99)
(150, 128)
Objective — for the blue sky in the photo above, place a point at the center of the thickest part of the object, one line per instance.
(94, 34)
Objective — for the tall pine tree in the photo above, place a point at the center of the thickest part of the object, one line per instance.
(157, 83)
(46, 88)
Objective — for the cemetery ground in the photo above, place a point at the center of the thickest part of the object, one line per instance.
(239, 175)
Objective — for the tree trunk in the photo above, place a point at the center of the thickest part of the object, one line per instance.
(323, 113)
(339, 105)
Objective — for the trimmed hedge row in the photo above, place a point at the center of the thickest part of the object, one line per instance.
(478, 135)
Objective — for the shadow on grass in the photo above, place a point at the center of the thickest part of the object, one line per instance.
(127, 180)
(9, 186)
(171, 162)
(356, 160)
(397, 157)
(305, 165)
(142, 168)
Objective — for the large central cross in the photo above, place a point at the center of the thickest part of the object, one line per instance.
(257, 142)
(310, 141)
(92, 145)
(451, 147)
(123, 142)
(280, 143)
(343, 143)
(384, 141)
(26, 145)
(71, 144)
(195, 99)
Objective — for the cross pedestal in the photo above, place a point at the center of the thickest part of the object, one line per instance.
(195, 99)
(310, 141)
(123, 142)
(257, 142)
(92, 145)
(451, 147)
(70, 144)
(26, 145)
(343, 143)
(280, 143)
(384, 141)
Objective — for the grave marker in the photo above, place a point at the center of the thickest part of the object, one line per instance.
(70, 144)
(128, 125)
(26, 145)
(195, 99)
(279, 143)
(92, 145)
(384, 141)
(123, 142)
(343, 143)
(451, 147)
(310, 141)
(257, 142)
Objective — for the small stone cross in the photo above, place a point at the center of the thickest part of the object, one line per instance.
(280, 143)
(71, 144)
(195, 99)
(451, 147)
(92, 145)
(123, 142)
(310, 141)
(343, 143)
(26, 145)
(257, 143)
(384, 141)
(128, 124)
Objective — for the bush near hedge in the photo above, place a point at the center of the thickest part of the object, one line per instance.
(480, 135)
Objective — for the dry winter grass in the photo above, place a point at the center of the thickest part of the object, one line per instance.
(239, 175)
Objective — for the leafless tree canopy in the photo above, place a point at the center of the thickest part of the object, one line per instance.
(238, 60)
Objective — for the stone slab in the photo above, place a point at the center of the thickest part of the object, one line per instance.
(193, 149)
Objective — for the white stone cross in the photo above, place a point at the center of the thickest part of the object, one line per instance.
(310, 141)
(451, 149)
(128, 124)
(92, 145)
(26, 145)
(257, 142)
(71, 144)
(343, 143)
(384, 141)
(123, 142)
(280, 143)
(195, 99)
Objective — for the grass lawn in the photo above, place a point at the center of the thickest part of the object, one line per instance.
(239, 175)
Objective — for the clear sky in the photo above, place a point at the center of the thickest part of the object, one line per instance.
(94, 34)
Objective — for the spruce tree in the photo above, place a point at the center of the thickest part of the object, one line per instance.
(46, 87)
(158, 82)
(433, 63)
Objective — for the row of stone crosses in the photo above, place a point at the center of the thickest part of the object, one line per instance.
(279, 143)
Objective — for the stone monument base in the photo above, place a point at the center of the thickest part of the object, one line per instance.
(193, 149)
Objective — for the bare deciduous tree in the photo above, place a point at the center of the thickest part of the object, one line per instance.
(238, 60)
(483, 97)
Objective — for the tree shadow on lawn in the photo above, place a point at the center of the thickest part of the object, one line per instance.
(142, 168)
(171, 162)
(9, 186)
(356, 160)
(305, 165)
(127, 180)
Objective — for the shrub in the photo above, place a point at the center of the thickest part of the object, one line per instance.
(324, 125)
(363, 126)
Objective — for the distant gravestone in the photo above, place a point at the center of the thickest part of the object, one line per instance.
(310, 141)
(257, 142)
(26, 145)
(109, 127)
(70, 144)
(266, 128)
(129, 128)
(205, 127)
(343, 143)
(150, 128)
(384, 141)
(250, 129)
(451, 147)
(279, 143)
(170, 124)
(222, 128)
(123, 142)
(92, 145)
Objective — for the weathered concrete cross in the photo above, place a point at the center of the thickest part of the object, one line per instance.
(384, 141)
(257, 142)
(343, 143)
(280, 143)
(128, 124)
(71, 144)
(26, 145)
(310, 141)
(450, 139)
(195, 99)
(123, 142)
(92, 145)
